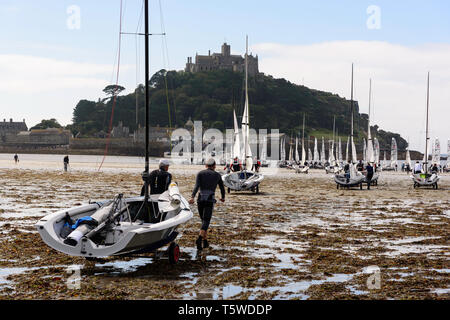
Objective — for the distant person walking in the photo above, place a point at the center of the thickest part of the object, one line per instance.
(206, 181)
(16, 158)
(66, 163)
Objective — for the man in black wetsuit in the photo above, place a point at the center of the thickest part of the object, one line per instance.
(159, 180)
(207, 181)
(369, 176)
(236, 166)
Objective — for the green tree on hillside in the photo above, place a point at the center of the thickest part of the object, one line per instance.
(46, 124)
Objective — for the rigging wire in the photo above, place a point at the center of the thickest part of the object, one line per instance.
(117, 83)
(166, 62)
(138, 61)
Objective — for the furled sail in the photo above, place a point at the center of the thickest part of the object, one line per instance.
(346, 150)
(376, 150)
(316, 151)
(437, 152)
(322, 156)
(237, 141)
(393, 152)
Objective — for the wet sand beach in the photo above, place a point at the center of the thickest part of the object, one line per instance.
(301, 238)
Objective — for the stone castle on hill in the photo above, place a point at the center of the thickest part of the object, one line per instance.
(222, 61)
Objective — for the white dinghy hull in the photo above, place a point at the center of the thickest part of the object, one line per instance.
(343, 182)
(121, 237)
(242, 181)
(421, 180)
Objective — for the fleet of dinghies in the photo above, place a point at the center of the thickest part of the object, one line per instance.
(246, 179)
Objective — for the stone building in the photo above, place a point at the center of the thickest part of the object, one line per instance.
(222, 61)
(51, 137)
(120, 131)
(7, 128)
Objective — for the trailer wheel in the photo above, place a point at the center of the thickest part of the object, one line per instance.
(229, 190)
(337, 186)
(174, 253)
(360, 186)
(257, 189)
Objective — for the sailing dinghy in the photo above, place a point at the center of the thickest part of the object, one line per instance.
(426, 179)
(121, 225)
(352, 178)
(370, 153)
(303, 167)
(245, 179)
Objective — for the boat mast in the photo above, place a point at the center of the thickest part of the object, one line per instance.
(147, 76)
(246, 109)
(351, 135)
(427, 137)
(303, 140)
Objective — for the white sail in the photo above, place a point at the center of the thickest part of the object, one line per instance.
(316, 151)
(354, 157)
(346, 150)
(297, 156)
(237, 141)
(393, 152)
(310, 155)
(303, 155)
(263, 155)
(376, 150)
(322, 156)
(364, 151)
(437, 152)
(340, 151)
(332, 160)
(291, 151)
(384, 159)
(408, 158)
(283, 149)
(448, 153)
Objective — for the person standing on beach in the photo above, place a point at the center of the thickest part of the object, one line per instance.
(66, 162)
(369, 176)
(159, 180)
(206, 181)
(417, 168)
(16, 158)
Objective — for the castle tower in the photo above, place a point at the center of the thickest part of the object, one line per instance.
(226, 50)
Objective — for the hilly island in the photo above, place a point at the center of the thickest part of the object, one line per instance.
(179, 97)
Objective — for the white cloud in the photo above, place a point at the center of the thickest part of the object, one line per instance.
(398, 72)
(37, 88)
(21, 73)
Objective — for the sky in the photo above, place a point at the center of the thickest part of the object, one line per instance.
(54, 53)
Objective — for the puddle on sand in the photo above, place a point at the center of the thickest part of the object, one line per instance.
(292, 290)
